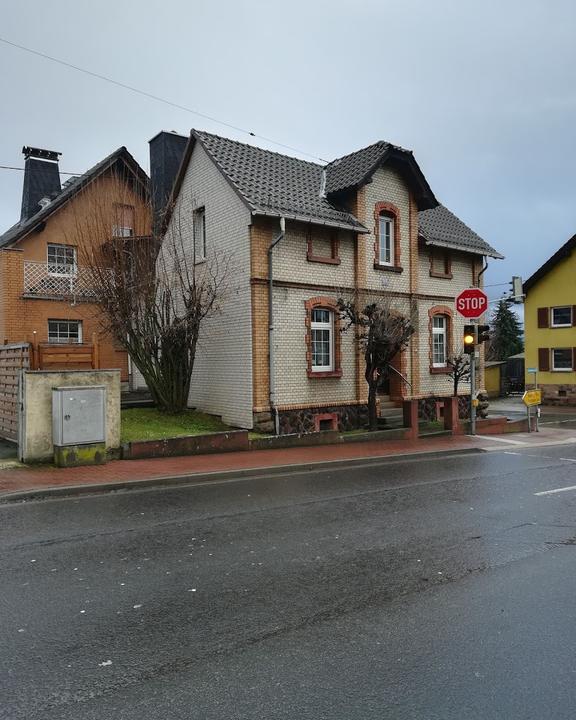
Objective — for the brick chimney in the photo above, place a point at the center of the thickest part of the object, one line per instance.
(41, 180)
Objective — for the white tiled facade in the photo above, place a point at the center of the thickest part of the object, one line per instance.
(222, 378)
(294, 387)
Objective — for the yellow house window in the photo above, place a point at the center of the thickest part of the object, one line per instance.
(561, 316)
(562, 359)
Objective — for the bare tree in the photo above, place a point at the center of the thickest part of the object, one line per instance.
(152, 294)
(382, 333)
(459, 365)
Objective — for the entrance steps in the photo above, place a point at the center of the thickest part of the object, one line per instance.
(391, 416)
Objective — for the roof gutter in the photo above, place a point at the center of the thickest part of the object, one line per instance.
(311, 220)
(272, 377)
(462, 248)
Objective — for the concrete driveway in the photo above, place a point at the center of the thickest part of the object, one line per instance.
(513, 407)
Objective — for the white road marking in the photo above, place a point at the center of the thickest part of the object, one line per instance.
(557, 490)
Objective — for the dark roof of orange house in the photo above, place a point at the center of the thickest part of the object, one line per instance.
(69, 190)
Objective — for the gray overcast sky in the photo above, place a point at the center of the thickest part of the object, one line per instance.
(483, 92)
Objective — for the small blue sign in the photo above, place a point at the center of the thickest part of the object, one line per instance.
(532, 370)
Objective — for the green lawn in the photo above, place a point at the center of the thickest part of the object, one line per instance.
(150, 424)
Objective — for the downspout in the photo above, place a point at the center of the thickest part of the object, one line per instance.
(482, 271)
(273, 408)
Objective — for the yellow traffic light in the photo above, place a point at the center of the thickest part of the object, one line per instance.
(469, 339)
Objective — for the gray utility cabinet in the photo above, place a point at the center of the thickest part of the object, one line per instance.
(79, 415)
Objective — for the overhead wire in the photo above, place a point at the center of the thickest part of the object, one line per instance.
(157, 98)
(13, 167)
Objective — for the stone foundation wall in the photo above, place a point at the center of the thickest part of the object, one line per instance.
(428, 407)
(306, 420)
(558, 394)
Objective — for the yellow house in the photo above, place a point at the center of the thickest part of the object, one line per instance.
(550, 326)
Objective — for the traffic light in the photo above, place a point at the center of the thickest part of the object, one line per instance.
(469, 339)
(483, 334)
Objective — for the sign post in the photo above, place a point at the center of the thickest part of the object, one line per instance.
(471, 304)
(532, 398)
(473, 393)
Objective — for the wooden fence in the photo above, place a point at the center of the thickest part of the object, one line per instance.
(73, 356)
(13, 358)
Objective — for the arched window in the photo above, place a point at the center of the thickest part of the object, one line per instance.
(323, 338)
(440, 324)
(387, 237)
(439, 341)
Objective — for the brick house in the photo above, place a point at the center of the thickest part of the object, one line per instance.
(46, 296)
(368, 221)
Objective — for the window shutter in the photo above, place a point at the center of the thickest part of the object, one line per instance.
(543, 317)
(573, 315)
(543, 359)
(574, 358)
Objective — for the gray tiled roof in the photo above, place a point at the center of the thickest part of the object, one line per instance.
(442, 228)
(275, 184)
(352, 169)
(21, 228)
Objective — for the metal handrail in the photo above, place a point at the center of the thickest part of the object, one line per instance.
(402, 376)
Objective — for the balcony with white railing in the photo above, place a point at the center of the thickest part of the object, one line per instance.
(43, 280)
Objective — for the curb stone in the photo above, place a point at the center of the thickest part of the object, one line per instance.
(222, 476)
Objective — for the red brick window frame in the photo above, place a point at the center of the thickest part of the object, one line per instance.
(323, 257)
(324, 303)
(388, 211)
(445, 312)
(440, 263)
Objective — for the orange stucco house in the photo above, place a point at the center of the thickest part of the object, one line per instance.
(46, 296)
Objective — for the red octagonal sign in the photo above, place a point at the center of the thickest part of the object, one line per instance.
(472, 303)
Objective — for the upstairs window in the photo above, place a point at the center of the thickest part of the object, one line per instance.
(386, 239)
(440, 264)
(199, 223)
(322, 331)
(322, 245)
(123, 221)
(562, 316)
(61, 259)
(387, 248)
(439, 341)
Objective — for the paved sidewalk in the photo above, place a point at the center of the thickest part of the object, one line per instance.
(18, 482)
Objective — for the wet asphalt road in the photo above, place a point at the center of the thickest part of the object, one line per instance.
(431, 589)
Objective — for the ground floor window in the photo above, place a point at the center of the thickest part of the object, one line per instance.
(439, 342)
(64, 331)
(322, 330)
(562, 359)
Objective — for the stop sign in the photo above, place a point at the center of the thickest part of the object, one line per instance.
(472, 303)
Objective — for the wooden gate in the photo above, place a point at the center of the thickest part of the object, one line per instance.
(13, 358)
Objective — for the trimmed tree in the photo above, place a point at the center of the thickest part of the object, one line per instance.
(459, 365)
(382, 333)
(506, 333)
